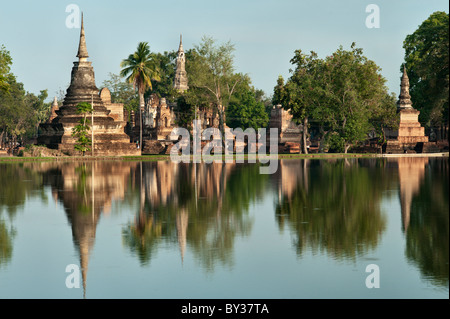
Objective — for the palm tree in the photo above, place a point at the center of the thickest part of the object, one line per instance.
(140, 69)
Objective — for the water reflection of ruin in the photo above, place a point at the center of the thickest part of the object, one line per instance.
(190, 204)
(326, 205)
(411, 172)
(424, 190)
(86, 190)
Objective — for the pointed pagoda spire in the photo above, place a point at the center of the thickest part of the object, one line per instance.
(54, 108)
(404, 99)
(82, 50)
(180, 81)
(180, 48)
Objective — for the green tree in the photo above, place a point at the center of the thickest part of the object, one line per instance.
(246, 108)
(185, 109)
(17, 116)
(20, 111)
(427, 59)
(80, 131)
(343, 92)
(278, 91)
(166, 66)
(41, 108)
(303, 92)
(211, 71)
(122, 92)
(354, 91)
(385, 116)
(5, 68)
(140, 69)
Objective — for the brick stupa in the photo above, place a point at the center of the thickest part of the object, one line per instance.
(109, 130)
(410, 135)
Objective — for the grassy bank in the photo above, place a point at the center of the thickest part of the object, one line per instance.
(218, 157)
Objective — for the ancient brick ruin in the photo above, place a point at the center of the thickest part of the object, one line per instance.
(410, 135)
(108, 122)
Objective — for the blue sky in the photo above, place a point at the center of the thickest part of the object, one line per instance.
(265, 34)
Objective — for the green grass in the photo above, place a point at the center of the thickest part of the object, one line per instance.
(167, 157)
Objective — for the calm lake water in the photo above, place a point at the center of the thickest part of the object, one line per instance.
(166, 230)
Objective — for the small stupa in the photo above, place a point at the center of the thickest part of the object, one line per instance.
(410, 135)
(54, 108)
(109, 128)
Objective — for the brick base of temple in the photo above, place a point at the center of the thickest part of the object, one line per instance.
(396, 147)
(154, 147)
(110, 142)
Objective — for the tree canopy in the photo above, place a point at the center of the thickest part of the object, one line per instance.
(121, 92)
(5, 67)
(343, 92)
(427, 59)
(246, 109)
(21, 112)
(211, 74)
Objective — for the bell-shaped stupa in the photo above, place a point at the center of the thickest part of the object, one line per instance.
(410, 135)
(109, 137)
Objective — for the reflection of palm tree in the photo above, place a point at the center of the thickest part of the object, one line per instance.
(182, 217)
(141, 236)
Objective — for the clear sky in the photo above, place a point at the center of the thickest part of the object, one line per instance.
(265, 34)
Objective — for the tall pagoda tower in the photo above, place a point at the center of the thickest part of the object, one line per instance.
(409, 130)
(181, 82)
(109, 129)
(410, 135)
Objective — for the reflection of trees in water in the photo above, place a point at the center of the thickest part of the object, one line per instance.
(19, 183)
(6, 243)
(330, 206)
(334, 206)
(201, 205)
(427, 237)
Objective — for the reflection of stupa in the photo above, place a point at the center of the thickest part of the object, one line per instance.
(109, 126)
(85, 190)
(289, 174)
(162, 188)
(411, 172)
(182, 224)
